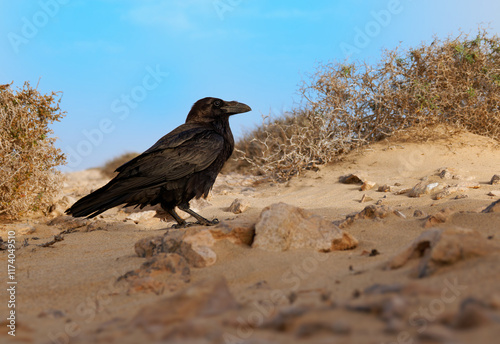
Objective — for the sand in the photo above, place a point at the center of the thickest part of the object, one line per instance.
(68, 292)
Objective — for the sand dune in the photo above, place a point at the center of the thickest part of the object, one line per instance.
(443, 289)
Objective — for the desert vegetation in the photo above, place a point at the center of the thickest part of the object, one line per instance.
(110, 166)
(453, 82)
(28, 156)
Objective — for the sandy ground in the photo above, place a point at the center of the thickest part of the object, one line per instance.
(68, 292)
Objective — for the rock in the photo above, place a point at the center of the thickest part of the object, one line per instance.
(378, 211)
(141, 216)
(238, 206)
(402, 191)
(451, 173)
(493, 207)
(66, 221)
(282, 227)
(352, 179)
(446, 173)
(439, 247)
(240, 232)
(399, 214)
(418, 213)
(365, 198)
(440, 217)
(472, 313)
(148, 247)
(195, 247)
(367, 185)
(469, 184)
(424, 187)
(207, 298)
(142, 279)
(199, 254)
(384, 188)
(196, 254)
(495, 179)
(494, 193)
(461, 196)
(447, 191)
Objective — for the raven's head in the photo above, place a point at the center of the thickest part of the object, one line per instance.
(208, 109)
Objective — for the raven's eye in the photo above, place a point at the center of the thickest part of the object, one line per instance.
(217, 103)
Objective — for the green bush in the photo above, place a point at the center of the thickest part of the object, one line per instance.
(453, 82)
(27, 154)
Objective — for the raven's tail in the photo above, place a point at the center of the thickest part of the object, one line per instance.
(107, 197)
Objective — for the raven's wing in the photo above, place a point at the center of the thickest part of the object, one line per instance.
(173, 157)
(180, 135)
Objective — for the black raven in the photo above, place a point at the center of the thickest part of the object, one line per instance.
(182, 165)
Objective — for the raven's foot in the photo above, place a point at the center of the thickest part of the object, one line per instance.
(197, 223)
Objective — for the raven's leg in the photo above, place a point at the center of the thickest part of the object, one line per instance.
(201, 219)
(171, 210)
(180, 222)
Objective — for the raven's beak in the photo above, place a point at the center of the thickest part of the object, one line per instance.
(232, 108)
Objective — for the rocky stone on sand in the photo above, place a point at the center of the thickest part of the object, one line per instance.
(195, 243)
(446, 173)
(146, 278)
(378, 211)
(418, 213)
(207, 298)
(353, 178)
(148, 247)
(66, 221)
(438, 218)
(365, 199)
(384, 188)
(195, 247)
(238, 206)
(282, 227)
(495, 179)
(438, 247)
(451, 173)
(494, 193)
(367, 185)
(240, 232)
(493, 207)
(473, 313)
(425, 187)
(447, 191)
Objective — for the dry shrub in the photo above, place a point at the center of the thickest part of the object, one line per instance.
(285, 146)
(453, 82)
(109, 168)
(28, 179)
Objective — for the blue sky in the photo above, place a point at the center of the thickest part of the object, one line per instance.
(130, 70)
